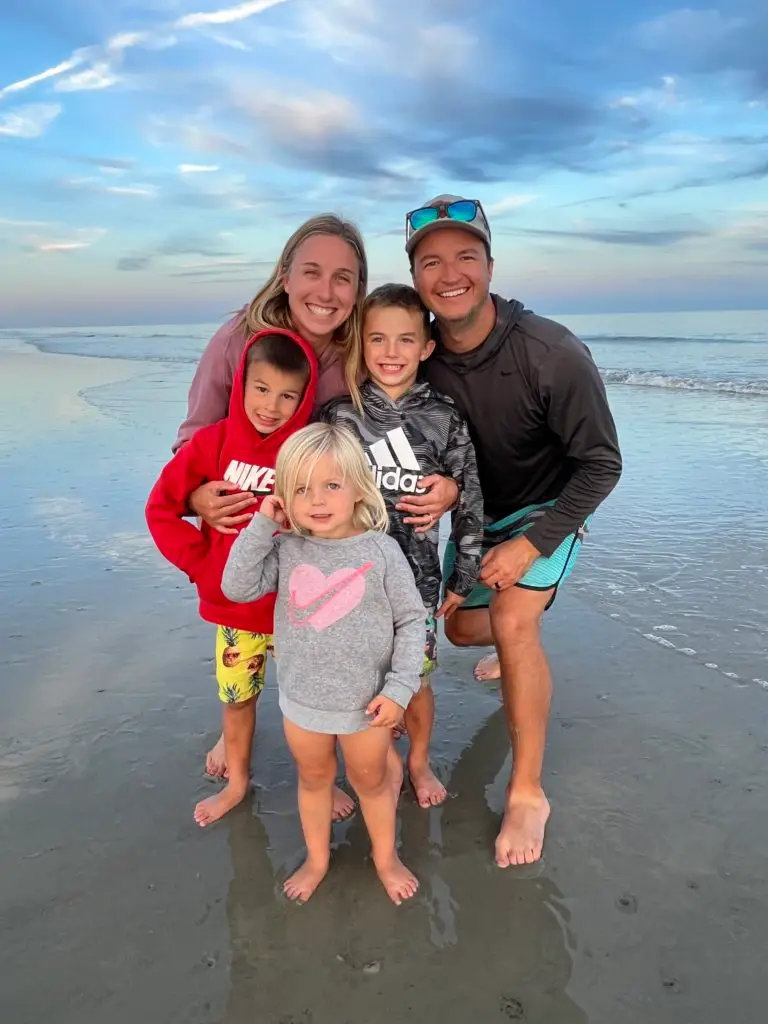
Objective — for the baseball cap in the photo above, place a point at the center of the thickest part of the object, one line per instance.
(446, 211)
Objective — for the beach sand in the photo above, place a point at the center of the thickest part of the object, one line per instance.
(114, 906)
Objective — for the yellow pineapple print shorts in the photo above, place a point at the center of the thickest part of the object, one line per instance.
(241, 663)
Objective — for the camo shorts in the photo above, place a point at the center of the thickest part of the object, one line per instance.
(241, 663)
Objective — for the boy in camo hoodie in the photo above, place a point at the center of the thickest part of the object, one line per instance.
(409, 431)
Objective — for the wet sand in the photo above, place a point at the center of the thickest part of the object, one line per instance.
(114, 906)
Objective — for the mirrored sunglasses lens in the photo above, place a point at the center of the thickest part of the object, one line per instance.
(463, 210)
(421, 217)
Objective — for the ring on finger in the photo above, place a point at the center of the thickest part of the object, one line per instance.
(497, 585)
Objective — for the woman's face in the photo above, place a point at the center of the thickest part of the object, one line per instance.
(321, 284)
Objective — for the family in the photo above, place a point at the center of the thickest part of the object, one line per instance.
(328, 431)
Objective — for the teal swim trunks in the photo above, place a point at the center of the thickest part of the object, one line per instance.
(544, 574)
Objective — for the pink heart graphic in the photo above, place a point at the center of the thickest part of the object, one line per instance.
(324, 599)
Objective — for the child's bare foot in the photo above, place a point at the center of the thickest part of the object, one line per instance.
(395, 771)
(216, 761)
(429, 790)
(215, 807)
(343, 805)
(302, 883)
(488, 668)
(399, 882)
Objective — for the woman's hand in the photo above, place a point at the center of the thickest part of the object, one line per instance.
(273, 508)
(384, 713)
(222, 505)
(424, 510)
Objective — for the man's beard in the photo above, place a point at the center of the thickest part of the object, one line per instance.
(460, 323)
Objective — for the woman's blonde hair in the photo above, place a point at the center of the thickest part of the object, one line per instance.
(269, 308)
(298, 457)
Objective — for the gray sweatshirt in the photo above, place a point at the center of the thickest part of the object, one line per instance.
(349, 620)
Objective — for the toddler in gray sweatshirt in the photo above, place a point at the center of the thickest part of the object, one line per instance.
(348, 636)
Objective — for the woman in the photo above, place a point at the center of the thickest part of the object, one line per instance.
(316, 289)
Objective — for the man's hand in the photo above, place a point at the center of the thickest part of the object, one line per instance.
(222, 510)
(272, 507)
(384, 713)
(507, 563)
(449, 605)
(426, 509)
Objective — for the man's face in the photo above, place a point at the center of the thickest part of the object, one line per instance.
(452, 274)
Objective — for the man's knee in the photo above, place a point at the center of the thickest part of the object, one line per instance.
(518, 619)
(468, 628)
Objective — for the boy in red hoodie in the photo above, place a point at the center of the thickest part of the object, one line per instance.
(272, 396)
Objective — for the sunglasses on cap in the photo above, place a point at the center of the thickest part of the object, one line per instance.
(463, 211)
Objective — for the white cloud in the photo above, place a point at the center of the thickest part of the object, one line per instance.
(29, 121)
(25, 223)
(664, 97)
(311, 118)
(81, 238)
(99, 76)
(131, 190)
(105, 56)
(226, 15)
(508, 204)
(99, 187)
(198, 168)
(67, 65)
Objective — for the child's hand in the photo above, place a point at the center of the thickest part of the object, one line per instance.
(273, 508)
(384, 712)
(449, 605)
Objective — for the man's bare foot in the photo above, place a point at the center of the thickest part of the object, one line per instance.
(399, 882)
(429, 790)
(216, 761)
(343, 805)
(521, 837)
(302, 883)
(488, 668)
(395, 771)
(215, 807)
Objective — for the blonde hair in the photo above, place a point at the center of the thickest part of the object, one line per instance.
(297, 460)
(269, 307)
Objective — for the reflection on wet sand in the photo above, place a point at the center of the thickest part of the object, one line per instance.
(477, 943)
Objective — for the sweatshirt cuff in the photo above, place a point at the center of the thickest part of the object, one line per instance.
(542, 538)
(464, 589)
(398, 692)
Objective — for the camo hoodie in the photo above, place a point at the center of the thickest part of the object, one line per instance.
(419, 434)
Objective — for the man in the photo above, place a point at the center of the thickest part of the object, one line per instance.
(547, 454)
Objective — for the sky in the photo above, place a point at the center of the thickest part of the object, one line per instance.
(156, 154)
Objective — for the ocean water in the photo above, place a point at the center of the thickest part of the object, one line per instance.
(679, 551)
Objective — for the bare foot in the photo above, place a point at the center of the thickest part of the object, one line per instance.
(215, 807)
(399, 882)
(429, 790)
(216, 761)
(302, 883)
(488, 668)
(521, 837)
(395, 771)
(343, 805)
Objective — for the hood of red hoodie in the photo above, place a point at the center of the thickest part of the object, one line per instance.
(248, 457)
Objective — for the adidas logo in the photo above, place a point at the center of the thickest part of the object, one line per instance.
(394, 464)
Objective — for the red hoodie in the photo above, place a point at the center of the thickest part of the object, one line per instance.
(233, 450)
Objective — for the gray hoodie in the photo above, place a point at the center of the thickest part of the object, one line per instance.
(349, 620)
